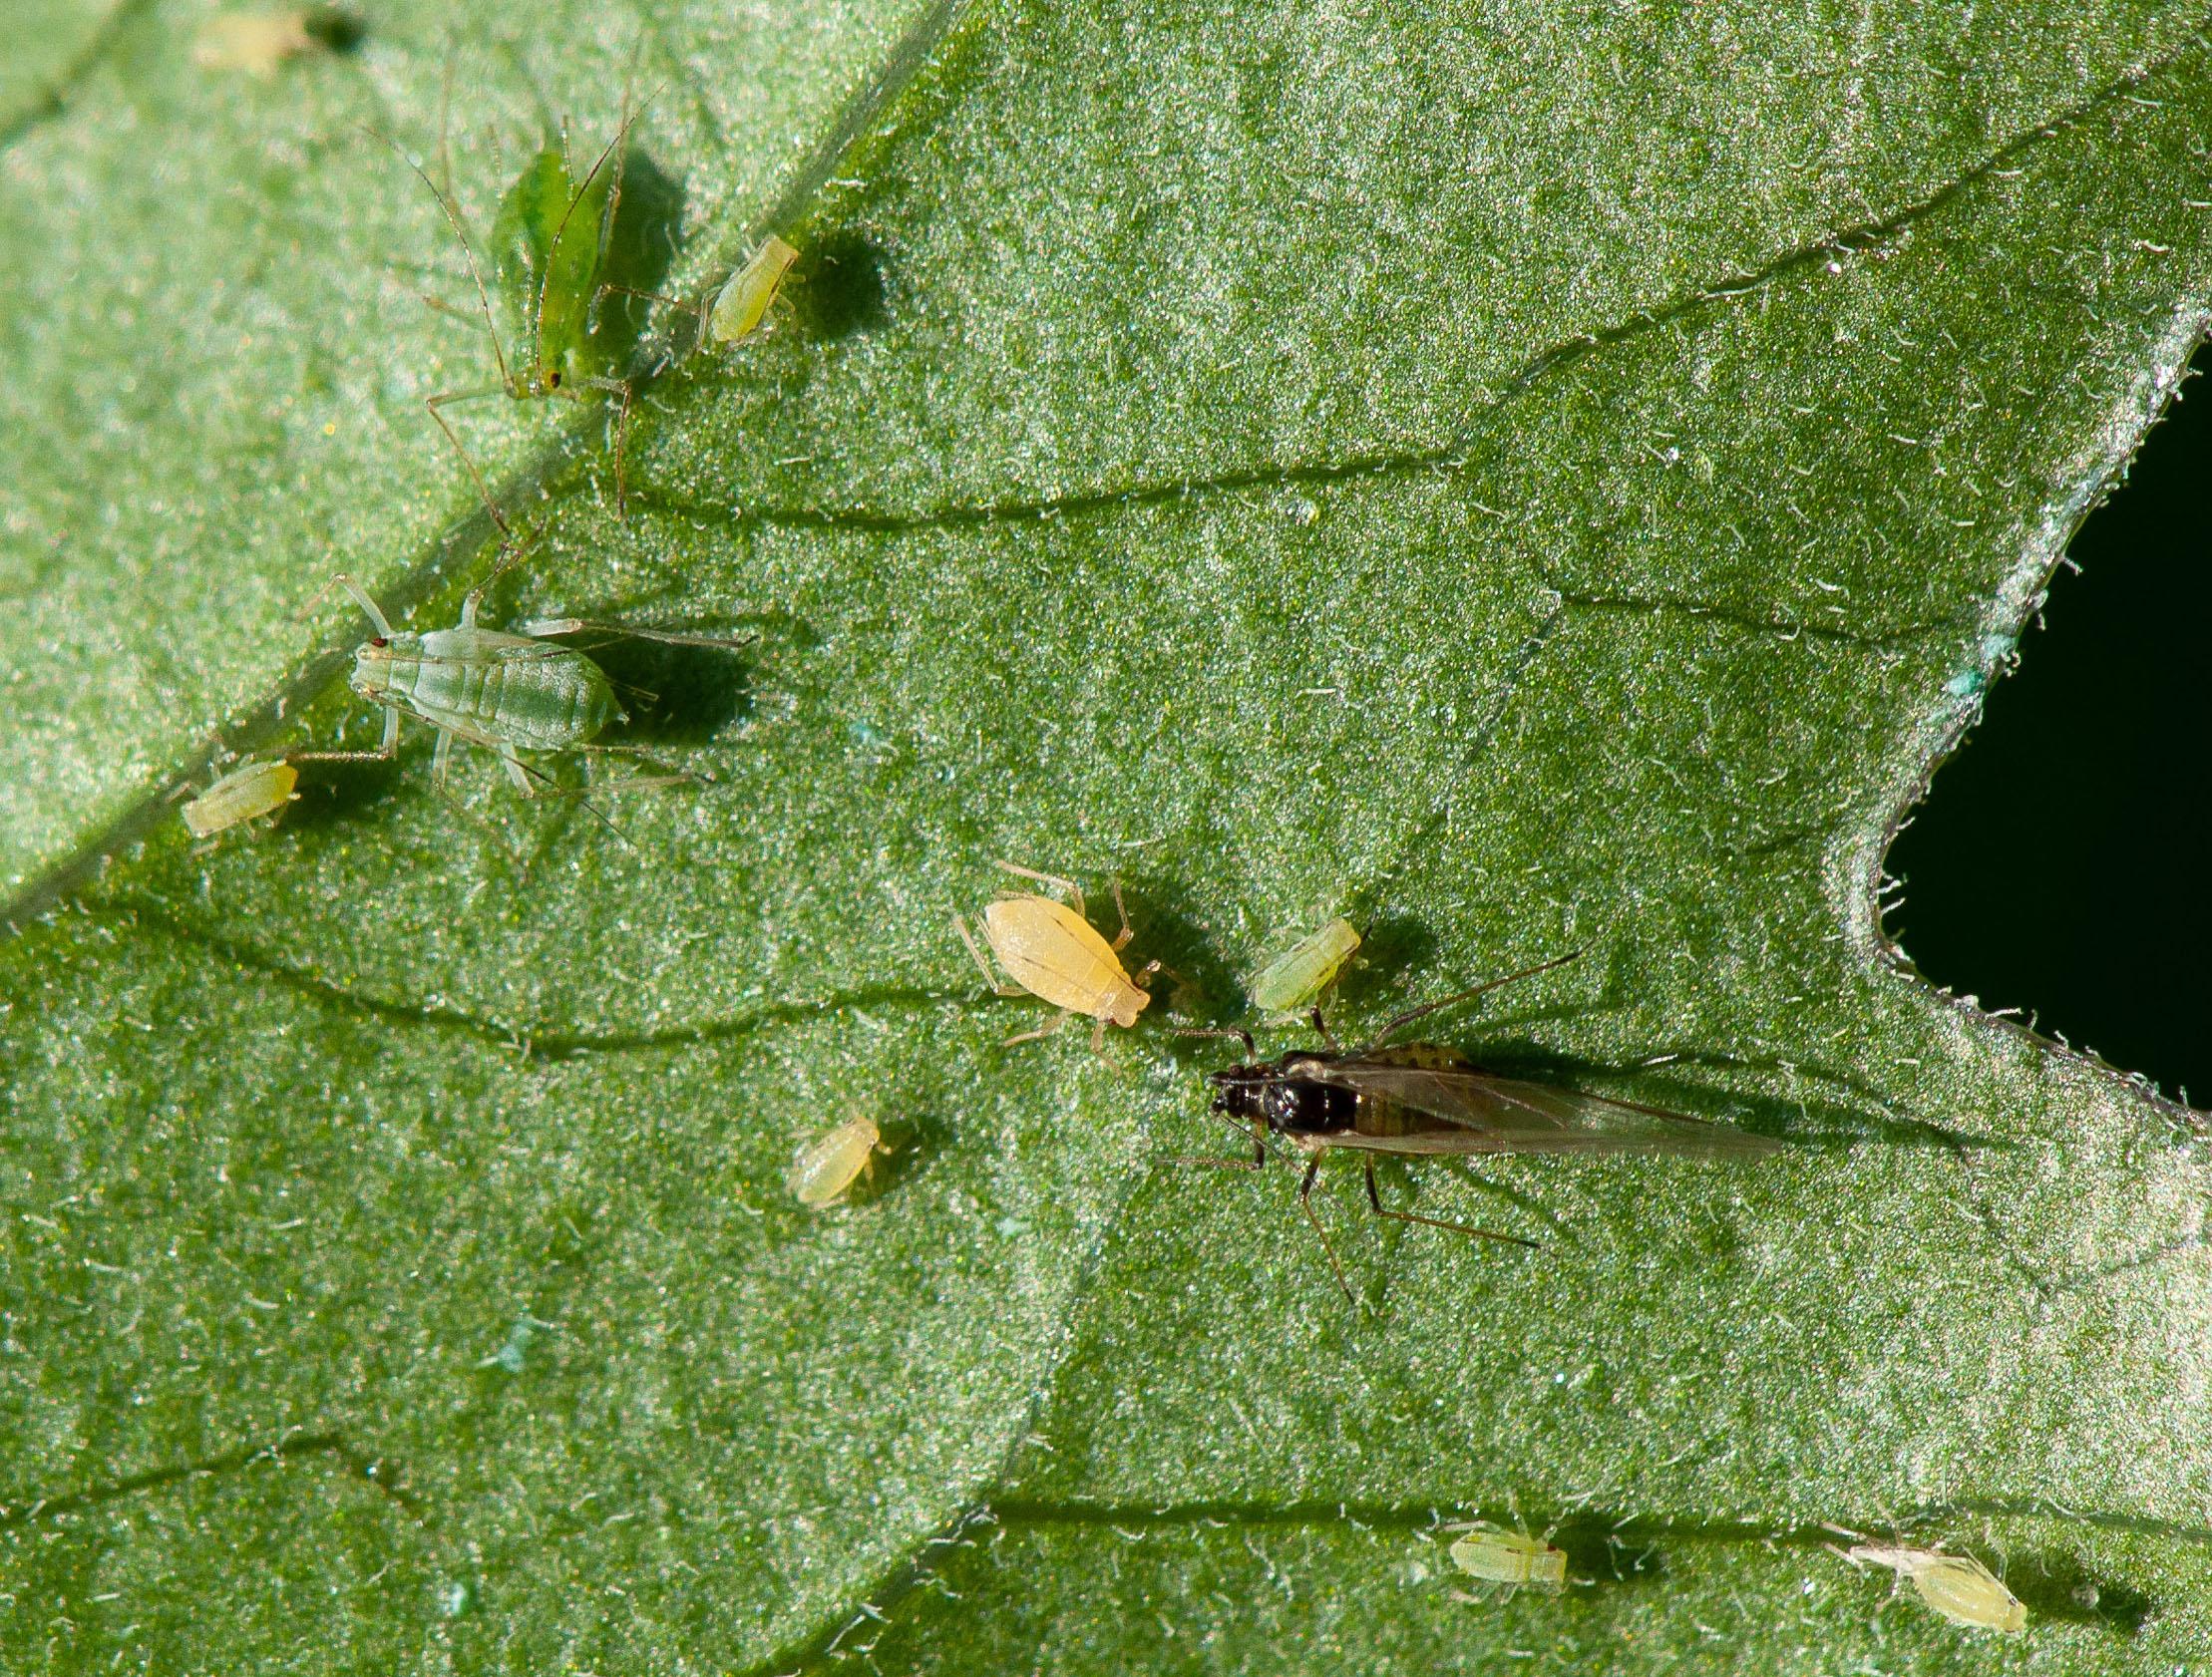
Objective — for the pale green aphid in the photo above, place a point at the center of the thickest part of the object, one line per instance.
(742, 304)
(508, 692)
(1298, 977)
(826, 1166)
(1958, 1587)
(250, 791)
(1514, 1558)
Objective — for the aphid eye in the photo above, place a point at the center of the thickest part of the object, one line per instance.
(378, 640)
(553, 380)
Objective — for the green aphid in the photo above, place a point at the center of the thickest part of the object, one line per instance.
(510, 692)
(1298, 977)
(551, 246)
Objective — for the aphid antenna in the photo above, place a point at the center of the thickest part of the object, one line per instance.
(1252, 1049)
(339, 579)
(1406, 1018)
(468, 249)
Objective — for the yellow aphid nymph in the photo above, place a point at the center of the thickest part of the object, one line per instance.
(1302, 974)
(1958, 1587)
(744, 299)
(826, 1167)
(1498, 1556)
(250, 789)
(1052, 950)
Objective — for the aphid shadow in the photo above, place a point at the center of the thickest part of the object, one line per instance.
(640, 248)
(1202, 990)
(1598, 1554)
(842, 291)
(2059, 1586)
(1390, 946)
(677, 695)
(333, 794)
(915, 1141)
(335, 29)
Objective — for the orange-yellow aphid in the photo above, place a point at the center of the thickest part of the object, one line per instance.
(1051, 950)
(1495, 1555)
(248, 790)
(258, 43)
(828, 1166)
(1302, 974)
(1958, 1587)
(743, 301)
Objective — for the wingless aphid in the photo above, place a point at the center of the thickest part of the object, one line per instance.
(1303, 973)
(1514, 1558)
(250, 791)
(508, 692)
(741, 302)
(1958, 1587)
(1419, 1098)
(549, 245)
(825, 1169)
(1051, 950)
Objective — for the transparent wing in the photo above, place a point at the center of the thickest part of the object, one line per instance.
(1503, 1115)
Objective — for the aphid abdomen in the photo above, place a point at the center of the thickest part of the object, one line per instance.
(1053, 952)
(528, 693)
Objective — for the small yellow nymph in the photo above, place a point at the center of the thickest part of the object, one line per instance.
(823, 1170)
(248, 790)
(1514, 1558)
(745, 297)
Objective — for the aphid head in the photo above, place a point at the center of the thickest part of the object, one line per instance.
(372, 668)
(1126, 1002)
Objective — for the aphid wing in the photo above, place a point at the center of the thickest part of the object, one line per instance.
(1504, 1115)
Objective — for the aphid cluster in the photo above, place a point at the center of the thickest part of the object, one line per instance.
(543, 284)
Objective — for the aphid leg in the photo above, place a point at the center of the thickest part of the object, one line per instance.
(1328, 1038)
(1074, 891)
(998, 988)
(1426, 1009)
(384, 751)
(1306, 1204)
(618, 388)
(441, 760)
(1374, 1201)
(1244, 1037)
(540, 627)
(1122, 937)
(1046, 1030)
(483, 490)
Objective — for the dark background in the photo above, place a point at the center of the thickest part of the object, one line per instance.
(2063, 862)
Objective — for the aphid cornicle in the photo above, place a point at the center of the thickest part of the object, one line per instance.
(250, 791)
(1303, 973)
(508, 692)
(1498, 1556)
(825, 1169)
(1051, 950)
(1420, 1099)
(1958, 1587)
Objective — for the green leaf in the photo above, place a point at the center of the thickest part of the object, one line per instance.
(1527, 482)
